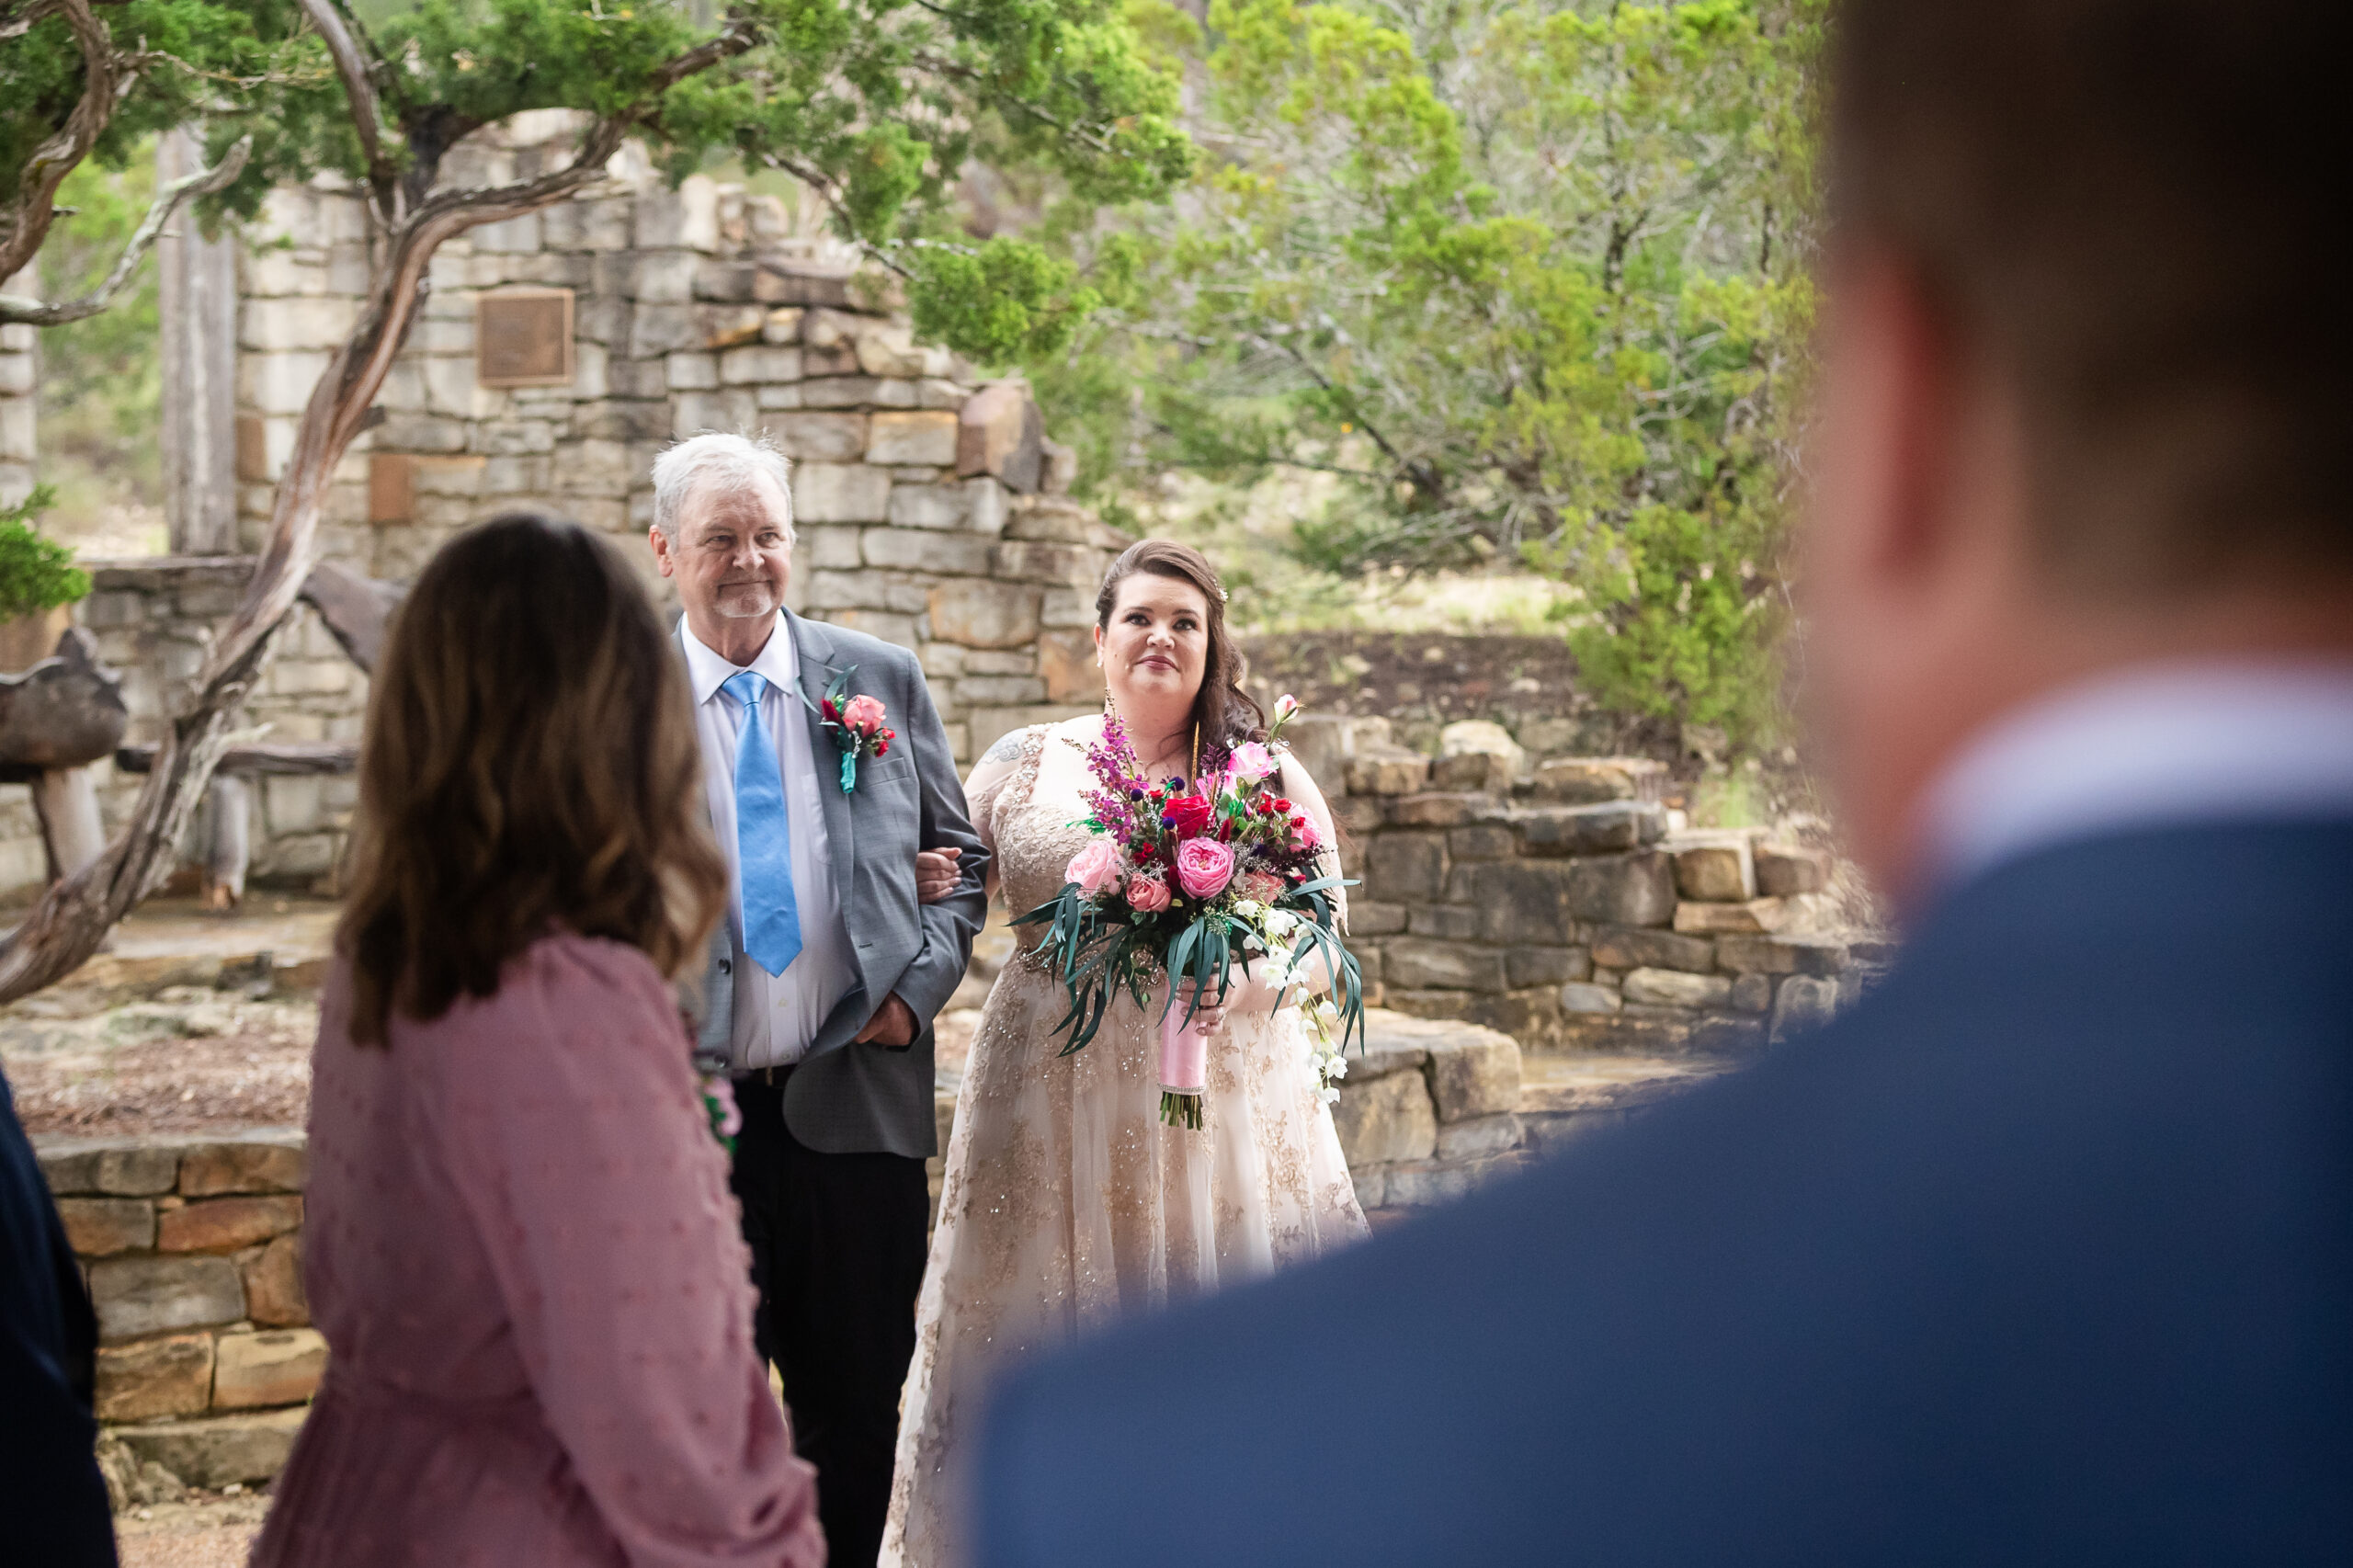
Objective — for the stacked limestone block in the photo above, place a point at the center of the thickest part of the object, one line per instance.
(19, 365)
(1428, 1111)
(193, 1249)
(1576, 926)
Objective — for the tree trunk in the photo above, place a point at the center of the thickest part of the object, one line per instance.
(66, 927)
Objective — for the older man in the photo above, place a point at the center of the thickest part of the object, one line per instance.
(2043, 1253)
(823, 984)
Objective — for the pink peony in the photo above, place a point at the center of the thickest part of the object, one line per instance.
(1204, 867)
(863, 714)
(1095, 868)
(1259, 887)
(1251, 761)
(1147, 892)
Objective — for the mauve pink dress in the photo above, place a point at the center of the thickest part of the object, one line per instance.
(521, 1247)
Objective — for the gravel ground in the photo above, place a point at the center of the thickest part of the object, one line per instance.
(191, 1059)
(209, 1530)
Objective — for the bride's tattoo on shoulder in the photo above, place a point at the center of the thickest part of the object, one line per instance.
(1007, 748)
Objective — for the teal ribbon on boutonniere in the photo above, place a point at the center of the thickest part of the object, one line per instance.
(855, 722)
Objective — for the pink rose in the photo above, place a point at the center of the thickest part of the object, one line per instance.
(1303, 833)
(1147, 894)
(1096, 868)
(863, 714)
(1251, 762)
(1204, 867)
(1259, 887)
(1286, 707)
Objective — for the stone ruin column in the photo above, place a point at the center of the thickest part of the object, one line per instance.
(199, 282)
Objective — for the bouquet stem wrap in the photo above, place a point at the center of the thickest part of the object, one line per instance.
(1184, 1066)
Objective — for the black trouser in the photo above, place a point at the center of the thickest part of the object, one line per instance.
(837, 1254)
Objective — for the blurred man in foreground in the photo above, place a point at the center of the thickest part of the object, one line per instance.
(2044, 1251)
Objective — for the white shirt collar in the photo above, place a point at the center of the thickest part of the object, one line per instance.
(2157, 745)
(707, 671)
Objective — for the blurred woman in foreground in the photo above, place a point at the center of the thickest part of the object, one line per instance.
(521, 1246)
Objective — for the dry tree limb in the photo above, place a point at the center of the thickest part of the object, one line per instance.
(17, 309)
(64, 928)
(25, 226)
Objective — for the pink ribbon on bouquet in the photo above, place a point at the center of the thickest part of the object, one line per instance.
(1184, 1063)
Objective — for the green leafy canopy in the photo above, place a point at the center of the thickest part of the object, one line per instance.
(1529, 277)
(880, 106)
(36, 574)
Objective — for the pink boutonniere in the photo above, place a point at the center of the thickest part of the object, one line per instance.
(856, 724)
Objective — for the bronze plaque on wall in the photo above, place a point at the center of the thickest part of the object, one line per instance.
(522, 338)
(392, 487)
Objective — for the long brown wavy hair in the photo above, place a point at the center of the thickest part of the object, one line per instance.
(530, 766)
(1226, 713)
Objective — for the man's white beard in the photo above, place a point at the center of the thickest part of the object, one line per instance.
(745, 601)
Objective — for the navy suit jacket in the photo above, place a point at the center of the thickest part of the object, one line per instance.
(2043, 1253)
(53, 1502)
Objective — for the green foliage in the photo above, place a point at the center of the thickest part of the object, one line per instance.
(101, 387)
(36, 574)
(1528, 277)
(878, 106)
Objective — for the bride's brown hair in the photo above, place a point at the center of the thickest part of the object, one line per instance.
(530, 766)
(1226, 713)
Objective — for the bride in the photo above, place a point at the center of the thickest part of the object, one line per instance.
(1067, 1205)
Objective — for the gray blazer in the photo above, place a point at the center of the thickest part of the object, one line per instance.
(845, 1099)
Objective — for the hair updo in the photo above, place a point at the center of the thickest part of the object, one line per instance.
(1226, 714)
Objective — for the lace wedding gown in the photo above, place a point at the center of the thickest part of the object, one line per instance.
(1066, 1205)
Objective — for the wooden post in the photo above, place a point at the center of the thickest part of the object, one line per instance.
(232, 846)
(197, 280)
(66, 799)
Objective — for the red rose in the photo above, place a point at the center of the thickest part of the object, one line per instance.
(1188, 814)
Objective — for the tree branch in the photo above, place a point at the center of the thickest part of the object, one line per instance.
(103, 85)
(64, 928)
(384, 178)
(16, 309)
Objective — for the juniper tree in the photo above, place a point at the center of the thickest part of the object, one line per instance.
(877, 106)
(1529, 278)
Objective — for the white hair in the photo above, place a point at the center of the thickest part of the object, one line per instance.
(731, 462)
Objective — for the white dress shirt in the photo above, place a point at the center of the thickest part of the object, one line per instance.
(2154, 746)
(776, 1015)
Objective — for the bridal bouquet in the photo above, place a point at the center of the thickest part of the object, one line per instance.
(1192, 877)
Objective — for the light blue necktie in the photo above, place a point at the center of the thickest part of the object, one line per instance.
(763, 835)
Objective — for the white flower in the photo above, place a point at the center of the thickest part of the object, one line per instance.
(1331, 1095)
(1336, 1068)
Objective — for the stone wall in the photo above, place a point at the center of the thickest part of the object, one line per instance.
(1561, 909)
(928, 504)
(153, 622)
(931, 508)
(193, 1249)
(19, 360)
(1430, 1110)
